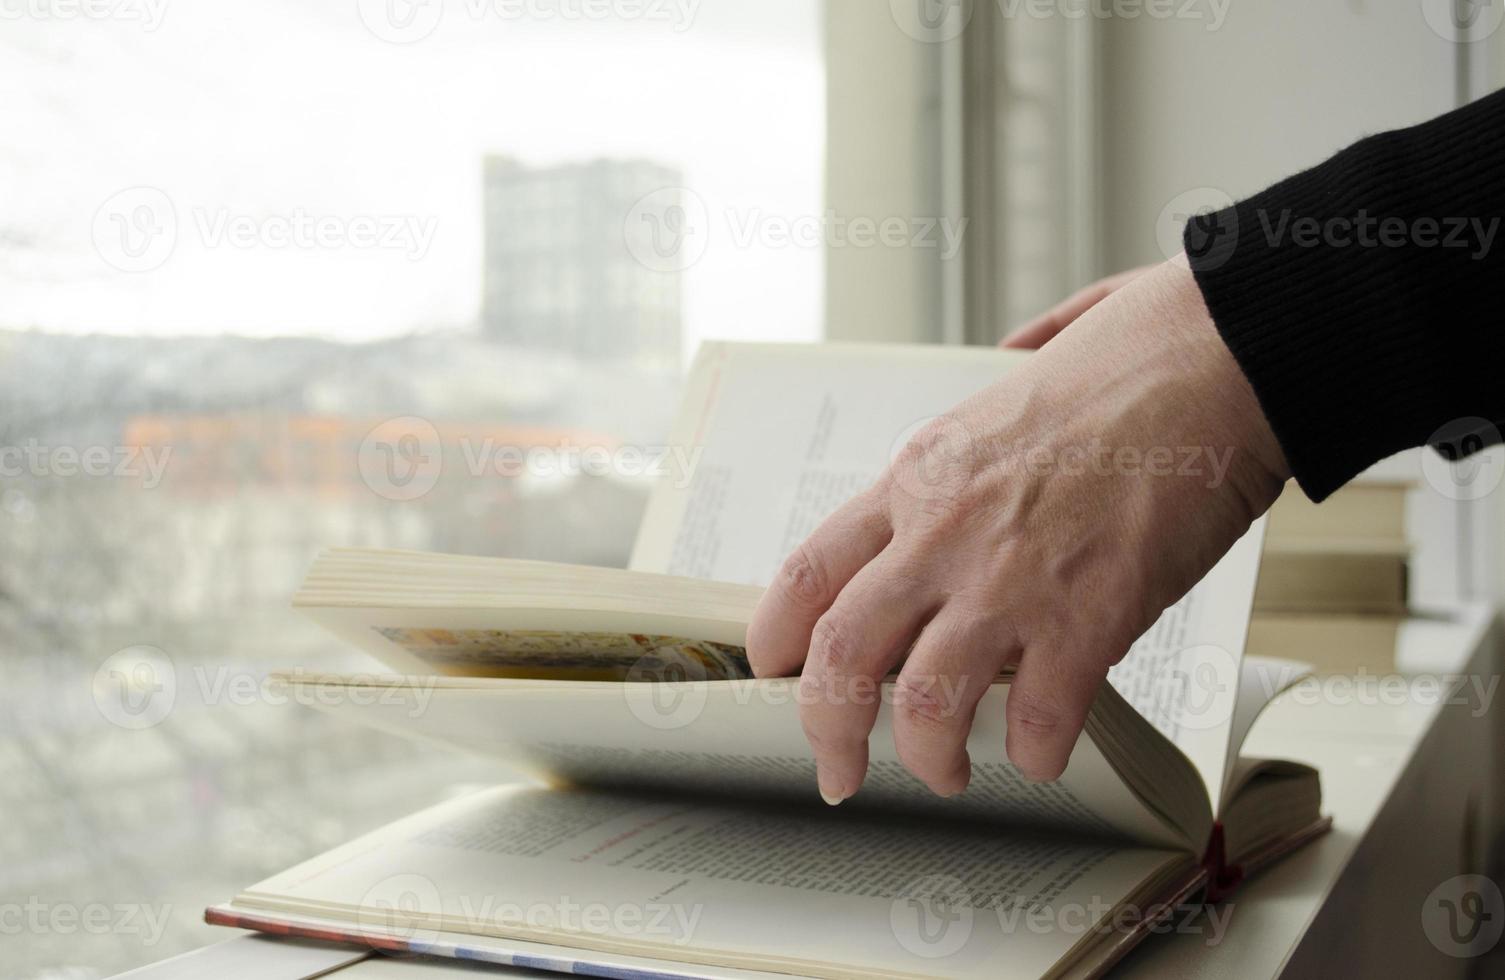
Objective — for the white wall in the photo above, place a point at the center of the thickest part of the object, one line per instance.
(1280, 86)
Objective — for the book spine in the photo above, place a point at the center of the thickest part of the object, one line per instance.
(1224, 877)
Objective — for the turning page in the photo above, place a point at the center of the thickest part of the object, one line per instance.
(740, 739)
(787, 433)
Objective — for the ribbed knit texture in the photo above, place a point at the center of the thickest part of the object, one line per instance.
(1357, 351)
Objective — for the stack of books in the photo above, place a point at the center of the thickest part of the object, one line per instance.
(1333, 582)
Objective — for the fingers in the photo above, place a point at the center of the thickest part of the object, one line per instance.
(852, 648)
(1048, 703)
(956, 658)
(809, 581)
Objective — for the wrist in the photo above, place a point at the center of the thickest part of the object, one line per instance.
(1238, 414)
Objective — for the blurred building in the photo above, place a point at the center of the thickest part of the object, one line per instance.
(559, 275)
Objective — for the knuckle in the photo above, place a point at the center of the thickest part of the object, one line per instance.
(930, 477)
(804, 576)
(937, 438)
(913, 452)
(832, 645)
(945, 438)
(920, 444)
(918, 703)
(1034, 716)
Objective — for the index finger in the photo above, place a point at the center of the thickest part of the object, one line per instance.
(778, 638)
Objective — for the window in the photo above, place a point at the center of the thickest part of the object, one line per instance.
(236, 239)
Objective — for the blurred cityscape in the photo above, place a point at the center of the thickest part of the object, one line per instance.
(170, 492)
(557, 274)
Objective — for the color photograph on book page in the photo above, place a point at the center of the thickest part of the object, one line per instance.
(569, 654)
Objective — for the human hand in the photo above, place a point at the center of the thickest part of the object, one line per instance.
(1036, 524)
(1034, 334)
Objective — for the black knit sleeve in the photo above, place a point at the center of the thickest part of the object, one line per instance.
(1362, 297)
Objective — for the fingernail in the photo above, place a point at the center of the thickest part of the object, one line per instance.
(830, 790)
(948, 789)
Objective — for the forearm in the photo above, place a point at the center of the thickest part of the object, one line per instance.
(1361, 298)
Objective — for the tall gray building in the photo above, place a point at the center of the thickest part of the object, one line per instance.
(560, 274)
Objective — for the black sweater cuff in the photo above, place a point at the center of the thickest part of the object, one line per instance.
(1360, 297)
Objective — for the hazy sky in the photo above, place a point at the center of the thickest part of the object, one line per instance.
(276, 115)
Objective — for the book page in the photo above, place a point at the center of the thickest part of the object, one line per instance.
(812, 891)
(1261, 679)
(788, 433)
(1184, 674)
(731, 738)
(424, 613)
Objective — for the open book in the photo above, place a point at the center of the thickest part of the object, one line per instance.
(674, 829)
